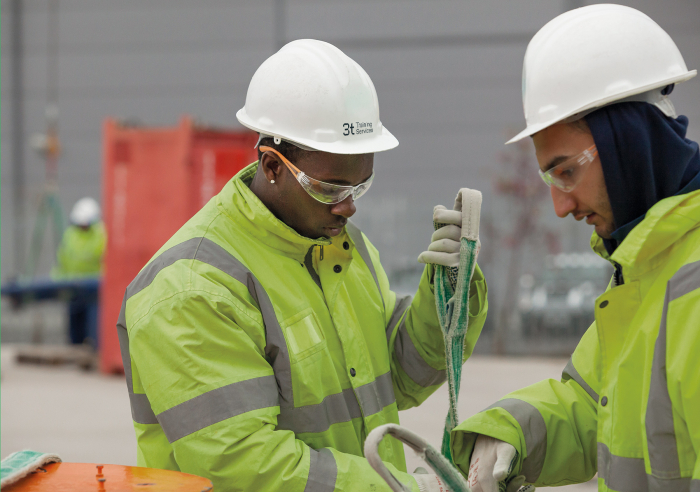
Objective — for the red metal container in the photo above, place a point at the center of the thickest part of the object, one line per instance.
(154, 180)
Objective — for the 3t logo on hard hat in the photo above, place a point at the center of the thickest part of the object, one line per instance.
(357, 128)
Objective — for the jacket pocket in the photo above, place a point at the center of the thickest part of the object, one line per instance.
(303, 334)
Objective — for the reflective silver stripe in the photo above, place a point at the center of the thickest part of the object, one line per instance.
(669, 484)
(356, 236)
(207, 251)
(340, 407)
(334, 409)
(629, 475)
(323, 471)
(534, 431)
(400, 308)
(374, 396)
(218, 405)
(309, 262)
(141, 411)
(685, 280)
(276, 347)
(661, 437)
(621, 474)
(570, 372)
(410, 360)
(123, 336)
(186, 250)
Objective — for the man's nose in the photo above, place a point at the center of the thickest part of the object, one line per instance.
(564, 203)
(346, 208)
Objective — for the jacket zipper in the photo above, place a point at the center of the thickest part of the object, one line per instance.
(309, 262)
(618, 279)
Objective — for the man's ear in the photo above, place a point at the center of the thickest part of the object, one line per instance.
(271, 166)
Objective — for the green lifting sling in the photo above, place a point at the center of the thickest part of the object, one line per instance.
(453, 303)
(453, 311)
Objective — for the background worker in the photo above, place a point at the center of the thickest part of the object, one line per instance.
(80, 255)
(83, 243)
(613, 151)
(262, 343)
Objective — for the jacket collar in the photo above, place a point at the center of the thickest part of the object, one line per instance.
(664, 224)
(239, 203)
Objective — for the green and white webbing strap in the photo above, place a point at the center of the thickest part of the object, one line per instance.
(454, 481)
(453, 303)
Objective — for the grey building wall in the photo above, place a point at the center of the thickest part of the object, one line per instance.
(447, 74)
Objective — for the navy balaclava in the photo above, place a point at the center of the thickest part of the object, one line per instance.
(645, 158)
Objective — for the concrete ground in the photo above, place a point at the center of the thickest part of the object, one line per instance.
(85, 416)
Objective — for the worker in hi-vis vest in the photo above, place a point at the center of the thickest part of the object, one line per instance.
(83, 243)
(80, 255)
(262, 343)
(613, 151)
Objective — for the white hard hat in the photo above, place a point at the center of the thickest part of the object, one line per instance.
(86, 211)
(311, 94)
(594, 56)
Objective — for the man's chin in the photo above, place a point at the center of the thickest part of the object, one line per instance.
(605, 231)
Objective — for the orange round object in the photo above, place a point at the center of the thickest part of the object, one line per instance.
(79, 477)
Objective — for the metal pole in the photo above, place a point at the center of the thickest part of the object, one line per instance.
(17, 153)
(52, 152)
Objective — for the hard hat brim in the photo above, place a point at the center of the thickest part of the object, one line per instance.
(532, 129)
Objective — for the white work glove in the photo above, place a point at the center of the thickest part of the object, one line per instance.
(492, 461)
(445, 242)
(430, 483)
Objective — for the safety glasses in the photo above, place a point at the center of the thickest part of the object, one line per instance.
(323, 192)
(567, 175)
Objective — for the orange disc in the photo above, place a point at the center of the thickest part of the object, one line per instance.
(79, 477)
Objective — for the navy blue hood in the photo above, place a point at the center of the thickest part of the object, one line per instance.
(645, 158)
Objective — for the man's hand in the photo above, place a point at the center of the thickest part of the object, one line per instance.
(492, 461)
(444, 245)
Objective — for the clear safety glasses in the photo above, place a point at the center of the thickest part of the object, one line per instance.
(323, 192)
(567, 175)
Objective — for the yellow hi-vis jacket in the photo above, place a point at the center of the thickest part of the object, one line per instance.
(628, 403)
(261, 359)
(80, 252)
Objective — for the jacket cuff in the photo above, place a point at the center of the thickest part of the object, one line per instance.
(493, 423)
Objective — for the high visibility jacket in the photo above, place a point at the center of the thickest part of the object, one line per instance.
(261, 359)
(80, 252)
(628, 403)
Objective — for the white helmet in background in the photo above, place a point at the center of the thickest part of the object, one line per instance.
(311, 94)
(594, 56)
(86, 212)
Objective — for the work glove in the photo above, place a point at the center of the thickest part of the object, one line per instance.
(444, 245)
(445, 242)
(491, 464)
(450, 226)
(429, 483)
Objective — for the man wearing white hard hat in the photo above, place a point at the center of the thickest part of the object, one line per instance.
(262, 343)
(80, 255)
(613, 151)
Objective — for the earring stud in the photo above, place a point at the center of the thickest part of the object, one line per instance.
(272, 181)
